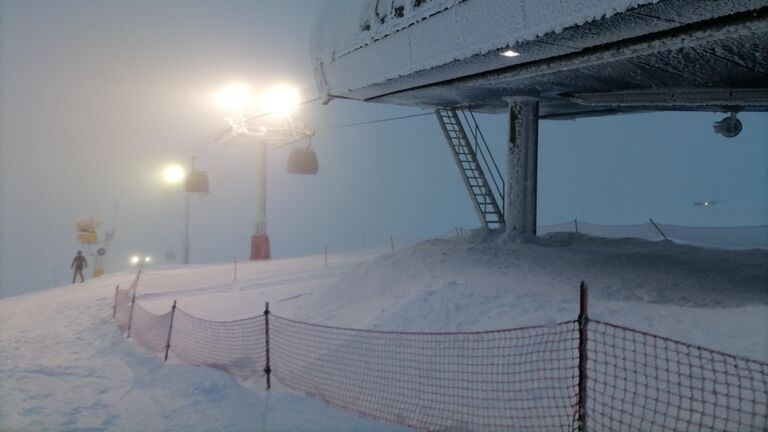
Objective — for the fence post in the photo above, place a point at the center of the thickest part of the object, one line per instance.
(235, 269)
(114, 306)
(267, 368)
(130, 316)
(581, 413)
(326, 257)
(576, 225)
(392, 242)
(658, 229)
(170, 329)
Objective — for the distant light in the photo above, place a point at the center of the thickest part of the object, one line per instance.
(135, 259)
(174, 174)
(705, 203)
(510, 53)
(234, 97)
(147, 259)
(281, 99)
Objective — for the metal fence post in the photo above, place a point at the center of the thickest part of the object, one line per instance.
(130, 316)
(235, 278)
(170, 329)
(114, 306)
(267, 368)
(326, 257)
(576, 225)
(581, 413)
(658, 229)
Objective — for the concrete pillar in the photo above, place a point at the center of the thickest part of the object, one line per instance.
(522, 165)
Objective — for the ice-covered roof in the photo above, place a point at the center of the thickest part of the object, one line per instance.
(446, 52)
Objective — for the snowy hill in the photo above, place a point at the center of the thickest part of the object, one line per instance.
(65, 366)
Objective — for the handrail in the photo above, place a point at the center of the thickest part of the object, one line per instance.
(492, 167)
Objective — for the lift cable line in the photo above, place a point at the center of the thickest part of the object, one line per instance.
(376, 121)
(361, 124)
(271, 113)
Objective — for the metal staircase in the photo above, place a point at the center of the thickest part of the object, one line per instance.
(481, 175)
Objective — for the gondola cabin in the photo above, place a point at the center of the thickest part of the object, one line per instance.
(302, 161)
(197, 182)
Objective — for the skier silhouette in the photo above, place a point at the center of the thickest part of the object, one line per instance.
(79, 263)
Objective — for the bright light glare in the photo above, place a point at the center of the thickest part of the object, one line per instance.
(234, 97)
(510, 53)
(147, 259)
(281, 99)
(135, 259)
(174, 174)
(706, 203)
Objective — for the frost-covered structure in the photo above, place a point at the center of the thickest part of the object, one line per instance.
(439, 53)
(541, 59)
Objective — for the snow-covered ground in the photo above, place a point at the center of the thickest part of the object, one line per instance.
(65, 366)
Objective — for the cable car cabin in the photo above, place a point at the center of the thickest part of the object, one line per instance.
(197, 182)
(302, 161)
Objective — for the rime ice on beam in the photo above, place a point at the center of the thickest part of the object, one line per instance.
(522, 164)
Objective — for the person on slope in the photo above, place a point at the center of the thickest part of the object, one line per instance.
(79, 263)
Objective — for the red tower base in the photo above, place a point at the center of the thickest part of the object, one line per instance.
(260, 247)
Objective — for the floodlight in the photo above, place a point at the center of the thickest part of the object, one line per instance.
(281, 99)
(728, 127)
(174, 174)
(234, 97)
(147, 259)
(135, 259)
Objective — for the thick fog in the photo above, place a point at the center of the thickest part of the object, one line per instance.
(96, 97)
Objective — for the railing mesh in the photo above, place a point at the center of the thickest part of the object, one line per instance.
(641, 382)
(524, 379)
(238, 346)
(743, 237)
(122, 309)
(505, 380)
(150, 330)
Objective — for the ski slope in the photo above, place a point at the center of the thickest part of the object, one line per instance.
(65, 366)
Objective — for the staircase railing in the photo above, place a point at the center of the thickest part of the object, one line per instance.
(480, 145)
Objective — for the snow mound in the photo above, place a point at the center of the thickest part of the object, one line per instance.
(714, 298)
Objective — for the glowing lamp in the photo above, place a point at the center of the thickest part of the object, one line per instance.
(234, 97)
(174, 174)
(510, 53)
(282, 100)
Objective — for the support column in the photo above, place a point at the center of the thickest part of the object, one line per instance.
(260, 249)
(522, 165)
(185, 258)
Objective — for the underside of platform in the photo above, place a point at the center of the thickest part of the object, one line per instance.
(668, 55)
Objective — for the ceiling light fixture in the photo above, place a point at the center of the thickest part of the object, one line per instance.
(510, 53)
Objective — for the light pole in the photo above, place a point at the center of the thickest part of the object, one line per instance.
(185, 255)
(175, 174)
(280, 100)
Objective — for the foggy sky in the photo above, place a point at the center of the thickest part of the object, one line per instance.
(96, 96)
